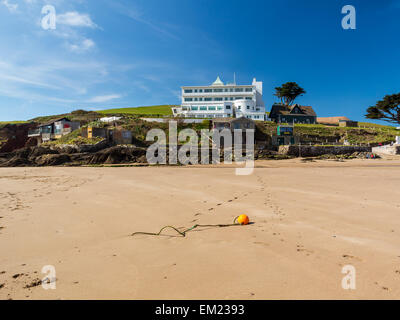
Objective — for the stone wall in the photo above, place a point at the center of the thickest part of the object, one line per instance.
(391, 150)
(314, 151)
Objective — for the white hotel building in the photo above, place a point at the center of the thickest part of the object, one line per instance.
(221, 100)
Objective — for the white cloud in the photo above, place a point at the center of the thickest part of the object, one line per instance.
(12, 7)
(104, 98)
(135, 14)
(76, 19)
(83, 46)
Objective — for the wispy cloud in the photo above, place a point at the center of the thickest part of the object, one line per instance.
(76, 19)
(82, 46)
(12, 7)
(106, 98)
(137, 15)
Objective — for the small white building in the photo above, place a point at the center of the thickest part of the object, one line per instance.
(110, 119)
(220, 100)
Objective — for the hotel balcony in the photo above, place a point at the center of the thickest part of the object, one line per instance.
(216, 94)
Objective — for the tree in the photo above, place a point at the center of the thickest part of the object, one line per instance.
(387, 109)
(289, 92)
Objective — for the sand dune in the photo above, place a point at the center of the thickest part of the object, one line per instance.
(310, 220)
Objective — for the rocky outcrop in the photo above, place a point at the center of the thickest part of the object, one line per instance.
(50, 156)
(16, 136)
(119, 154)
(314, 151)
(52, 159)
(84, 148)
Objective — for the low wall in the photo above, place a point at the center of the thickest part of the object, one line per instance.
(391, 150)
(313, 151)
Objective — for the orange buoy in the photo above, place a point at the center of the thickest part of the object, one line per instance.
(243, 219)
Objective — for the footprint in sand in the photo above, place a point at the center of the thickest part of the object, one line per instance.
(262, 243)
(382, 287)
(301, 248)
(348, 256)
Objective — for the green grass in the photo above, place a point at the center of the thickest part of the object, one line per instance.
(367, 133)
(4, 123)
(12, 122)
(164, 110)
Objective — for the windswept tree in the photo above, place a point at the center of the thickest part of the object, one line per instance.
(387, 109)
(288, 92)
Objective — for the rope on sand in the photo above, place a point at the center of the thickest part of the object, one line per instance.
(183, 233)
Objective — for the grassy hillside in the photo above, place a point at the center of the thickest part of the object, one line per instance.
(164, 110)
(3, 123)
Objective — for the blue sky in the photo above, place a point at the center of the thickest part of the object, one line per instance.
(122, 53)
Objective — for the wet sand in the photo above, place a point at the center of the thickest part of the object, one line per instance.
(310, 220)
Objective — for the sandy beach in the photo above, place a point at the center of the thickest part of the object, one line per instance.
(309, 220)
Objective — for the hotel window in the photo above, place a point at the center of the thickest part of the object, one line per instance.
(217, 90)
(220, 108)
(188, 91)
(195, 108)
(226, 98)
(203, 108)
(217, 99)
(238, 98)
(231, 98)
(207, 90)
(238, 89)
(195, 99)
(248, 107)
(248, 89)
(248, 98)
(239, 108)
(228, 107)
(188, 99)
(200, 99)
(184, 108)
(211, 108)
(195, 90)
(207, 99)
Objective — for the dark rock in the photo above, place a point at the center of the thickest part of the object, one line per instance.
(15, 161)
(52, 159)
(16, 135)
(117, 154)
(39, 151)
